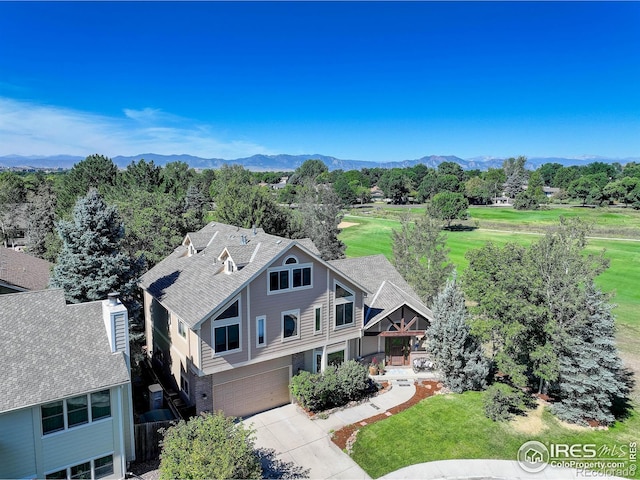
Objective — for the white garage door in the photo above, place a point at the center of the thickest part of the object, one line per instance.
(252, 394)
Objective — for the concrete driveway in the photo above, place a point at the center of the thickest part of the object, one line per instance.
(294, 446)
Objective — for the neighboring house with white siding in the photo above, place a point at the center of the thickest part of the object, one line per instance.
(233, 313)
(66, 408)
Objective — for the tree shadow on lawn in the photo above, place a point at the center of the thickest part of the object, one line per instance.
(272, 467)
(460, 228)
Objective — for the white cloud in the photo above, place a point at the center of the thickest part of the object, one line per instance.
(32, 129)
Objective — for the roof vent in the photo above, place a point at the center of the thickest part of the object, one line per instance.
(255, 230)
(243, 239)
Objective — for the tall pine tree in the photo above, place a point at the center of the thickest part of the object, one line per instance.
(457, 353)
(92, 262)
(592, 378)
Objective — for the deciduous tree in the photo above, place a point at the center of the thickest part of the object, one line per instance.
(448, 206)
(320, 214)
(421, 256)
(209, 446)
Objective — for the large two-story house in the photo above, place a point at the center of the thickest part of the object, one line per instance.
(233, 313)
(65, 408)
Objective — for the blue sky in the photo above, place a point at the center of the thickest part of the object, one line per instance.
(356, 80)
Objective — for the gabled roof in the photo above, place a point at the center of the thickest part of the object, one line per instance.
(51, 350)
(392, 291)
(193, 287)
(23, 271)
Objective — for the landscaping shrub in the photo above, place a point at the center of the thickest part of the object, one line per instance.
(333, 388)
(209, 446)
(501, 402)
(353, 380)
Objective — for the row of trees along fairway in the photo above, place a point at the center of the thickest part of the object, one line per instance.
(546, 324)
(535, 310)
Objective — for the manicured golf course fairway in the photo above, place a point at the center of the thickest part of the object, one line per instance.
(373, 235)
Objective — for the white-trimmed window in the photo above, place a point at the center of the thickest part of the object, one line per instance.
(182, 329)
(290, 324)
(344, 302)
(261, 331)
(335, 358)
(98, 468)
(75, 411)
(291, 276)
(317, 319)
(226, 330)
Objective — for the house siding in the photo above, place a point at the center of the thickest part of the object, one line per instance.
(256, 301)
(17, 449)
(25, 452)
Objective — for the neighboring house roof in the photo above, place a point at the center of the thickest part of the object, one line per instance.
(23, 271)
(51, 350)
(392, 291)
(194, 286)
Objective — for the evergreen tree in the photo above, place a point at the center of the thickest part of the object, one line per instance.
(592, 378)
(320, 214)
(95, 171)
(457, 353)
(421, 256)
(92, 262)
(516, 175)
(41, 220)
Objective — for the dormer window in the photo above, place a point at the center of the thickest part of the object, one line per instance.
(229, 266)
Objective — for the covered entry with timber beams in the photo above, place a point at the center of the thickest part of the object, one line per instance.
(395, 319)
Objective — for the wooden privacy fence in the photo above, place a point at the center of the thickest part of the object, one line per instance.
(148, 439)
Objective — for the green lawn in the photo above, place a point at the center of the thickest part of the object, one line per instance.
(373, 235)
(454, 426)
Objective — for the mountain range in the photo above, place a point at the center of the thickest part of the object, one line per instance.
(284, 162)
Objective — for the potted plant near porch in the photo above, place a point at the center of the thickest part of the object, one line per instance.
(373, 367)
(381, 367)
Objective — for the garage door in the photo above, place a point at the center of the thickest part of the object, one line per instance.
(253, 394)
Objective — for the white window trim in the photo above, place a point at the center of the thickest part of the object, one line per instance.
(342, 301)
(289, 257)
(92, 461)
(65, 416)
(315, 308)
(264, 320)
(226, 323)
(290, 268)
(297, 335)
(184, 326)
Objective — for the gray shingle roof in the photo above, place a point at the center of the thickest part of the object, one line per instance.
(193, 286)
(23, 271)
(391, 290)
(51, 350)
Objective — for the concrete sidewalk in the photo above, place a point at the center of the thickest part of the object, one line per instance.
(484, 469)
(400, 392)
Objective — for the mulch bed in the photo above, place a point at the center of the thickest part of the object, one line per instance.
(424, 390)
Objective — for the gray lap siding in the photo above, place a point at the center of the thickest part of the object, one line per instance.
(256, 301)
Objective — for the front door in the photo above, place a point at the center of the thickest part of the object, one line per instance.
(398, 348)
